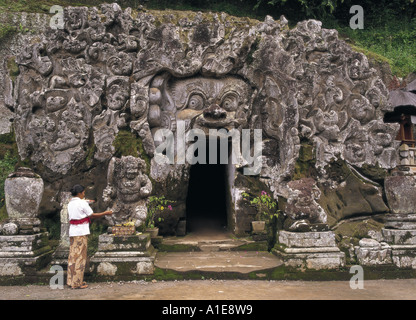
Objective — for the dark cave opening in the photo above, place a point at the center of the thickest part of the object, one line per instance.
(206, 208)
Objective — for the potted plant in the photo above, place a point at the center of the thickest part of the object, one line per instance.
(266, 208)
(155, 209)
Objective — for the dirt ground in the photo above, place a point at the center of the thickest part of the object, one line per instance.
(219, 290)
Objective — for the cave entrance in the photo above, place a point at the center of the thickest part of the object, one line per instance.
(206, 202)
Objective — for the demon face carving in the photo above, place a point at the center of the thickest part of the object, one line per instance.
(203, 103)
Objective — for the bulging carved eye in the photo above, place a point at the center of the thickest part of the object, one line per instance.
(196, 102)
(229, 103)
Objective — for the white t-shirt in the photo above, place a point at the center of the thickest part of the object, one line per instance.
(79, 209)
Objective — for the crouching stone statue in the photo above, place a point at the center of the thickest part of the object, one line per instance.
(127, 189)
(304, 213)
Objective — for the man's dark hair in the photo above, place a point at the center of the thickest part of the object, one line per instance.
(76, 189)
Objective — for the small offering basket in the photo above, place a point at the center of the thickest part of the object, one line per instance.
(123, 230)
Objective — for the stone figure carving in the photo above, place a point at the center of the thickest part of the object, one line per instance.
(127, 190)
(304, 213)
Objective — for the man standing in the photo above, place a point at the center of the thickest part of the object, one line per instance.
(80, 214)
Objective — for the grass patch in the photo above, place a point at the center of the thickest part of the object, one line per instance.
(392, 42)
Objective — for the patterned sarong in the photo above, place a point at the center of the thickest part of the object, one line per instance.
(76, 260)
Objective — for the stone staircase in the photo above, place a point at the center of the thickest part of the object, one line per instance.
(209, 243)
(214, 253)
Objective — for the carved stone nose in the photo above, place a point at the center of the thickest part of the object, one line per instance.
(215, 112)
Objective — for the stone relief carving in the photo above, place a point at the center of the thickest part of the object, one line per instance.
(111, 69)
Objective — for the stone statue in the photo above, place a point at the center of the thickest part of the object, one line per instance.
(304, 213)
(127, 190)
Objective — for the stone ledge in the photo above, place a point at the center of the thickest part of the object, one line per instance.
(312, 261)
(399, 237)
(307, 239)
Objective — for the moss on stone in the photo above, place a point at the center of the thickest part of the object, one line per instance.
(126, 144)
(13, 68)
(358, 229)
(305, 165)
(95, 230)
(3, 212)
(90, 155)
(375, 173)
(177, 248)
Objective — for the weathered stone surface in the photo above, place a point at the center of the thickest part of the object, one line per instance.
(23, 192)
(307, 239)
(371, 253)
(265, 54)
(9, 229)
(346, 193)
(109, 242)
(404, 256)
(303, 211)
(123, 255)
(309, 250)
(400, 193)
(10, 268)
(400, 221)
(60, 256)
(400, 237)
(6, 120)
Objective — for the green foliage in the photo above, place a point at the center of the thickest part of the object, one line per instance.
(155, 208)
(311, 8)
(394, 41)
(6, 30)
(266, 206)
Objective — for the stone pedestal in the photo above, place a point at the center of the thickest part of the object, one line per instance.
(60, 256)
(403, 246)
(309, 250)
(123, 256)
(370, 252)
(24, 254)
(24, 245)
(400, 226)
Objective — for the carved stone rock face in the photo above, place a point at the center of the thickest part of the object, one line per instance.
(111, 69)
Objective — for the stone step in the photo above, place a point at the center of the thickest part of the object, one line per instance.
(226, 261)
(175, 244)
